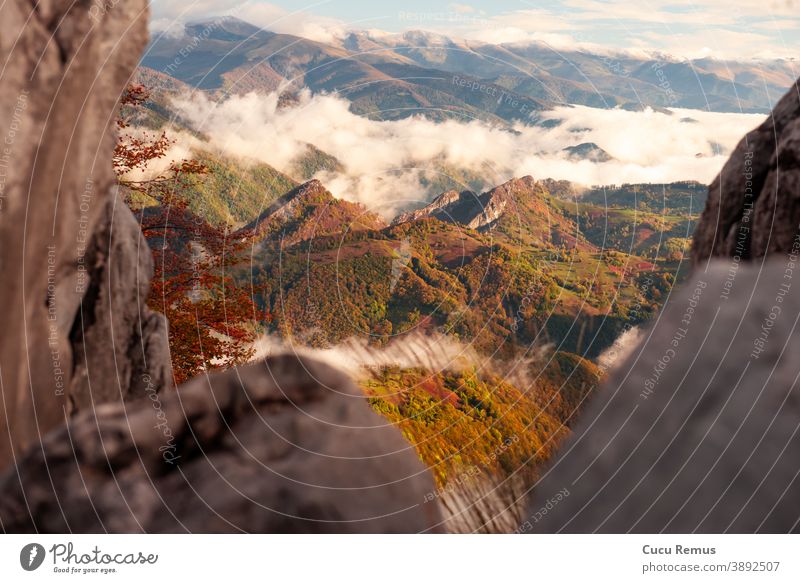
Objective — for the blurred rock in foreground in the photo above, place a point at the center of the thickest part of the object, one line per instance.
(284, 445)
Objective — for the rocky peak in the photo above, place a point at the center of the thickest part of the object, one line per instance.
(495, 201)
(309, 211)
(441, 207)
(469, 209)
(287, 205)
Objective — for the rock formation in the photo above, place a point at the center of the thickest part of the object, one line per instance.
(284, 445)
(119, 346)
(473, 210)
(753, 206)
(699, 431)
(309, 211)
(74, 306)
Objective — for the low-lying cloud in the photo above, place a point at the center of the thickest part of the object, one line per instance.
(385, 161)
(434, 353)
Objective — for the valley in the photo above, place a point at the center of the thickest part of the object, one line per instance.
(376, 245)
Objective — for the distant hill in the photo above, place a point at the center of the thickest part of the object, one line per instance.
(234, 191)
(687, 198)
(396, 76)
(588, 151)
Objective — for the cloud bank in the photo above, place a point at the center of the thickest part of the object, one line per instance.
(386, 161)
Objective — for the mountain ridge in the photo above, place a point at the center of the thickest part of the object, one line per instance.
(407, 74)
(307, 211)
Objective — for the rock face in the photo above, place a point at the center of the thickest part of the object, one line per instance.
(472, 210)
(99, 441)
(72, 301)
(700, 430)
(451, 206)
(753, 205)
(119, 346)
(285, 445)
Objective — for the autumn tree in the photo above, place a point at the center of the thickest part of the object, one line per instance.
(211, 319)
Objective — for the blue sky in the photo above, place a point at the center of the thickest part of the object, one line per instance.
(716, 28)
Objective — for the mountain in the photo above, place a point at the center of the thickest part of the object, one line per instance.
(232, 192)
(397, 76)
(307, 164)
(659, 81)
(309, 211)
(513, 266)
(519, 278)
(588, 151)
(236, 58)
(520, 211)
(451, 207)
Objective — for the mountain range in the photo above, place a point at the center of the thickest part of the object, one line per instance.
(532, 279)
(396, 76)
(524, 262)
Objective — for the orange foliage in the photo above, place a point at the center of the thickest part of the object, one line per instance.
(210, 318)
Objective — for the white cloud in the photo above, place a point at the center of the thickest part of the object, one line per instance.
(719, 44)
(432, 352)
(651, 25)
(383, 159)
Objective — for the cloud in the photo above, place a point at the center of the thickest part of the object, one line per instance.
(385, 160)
(431, 352)
(170, 16)
(720, 44)
(576, 24)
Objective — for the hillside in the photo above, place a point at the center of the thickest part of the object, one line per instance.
(466, 420)
(519, 271)
(232, 192)
(534, 279)
(306, 212)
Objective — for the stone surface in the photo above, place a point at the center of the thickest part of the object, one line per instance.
(65, 66)
(753, 206)
(700, 430)
(119, 345)
(285, 445)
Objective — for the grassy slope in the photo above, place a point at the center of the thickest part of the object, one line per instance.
(234, 192)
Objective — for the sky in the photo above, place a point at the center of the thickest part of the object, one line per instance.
(724, 29)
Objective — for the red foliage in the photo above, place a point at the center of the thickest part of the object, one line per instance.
(211, 320)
